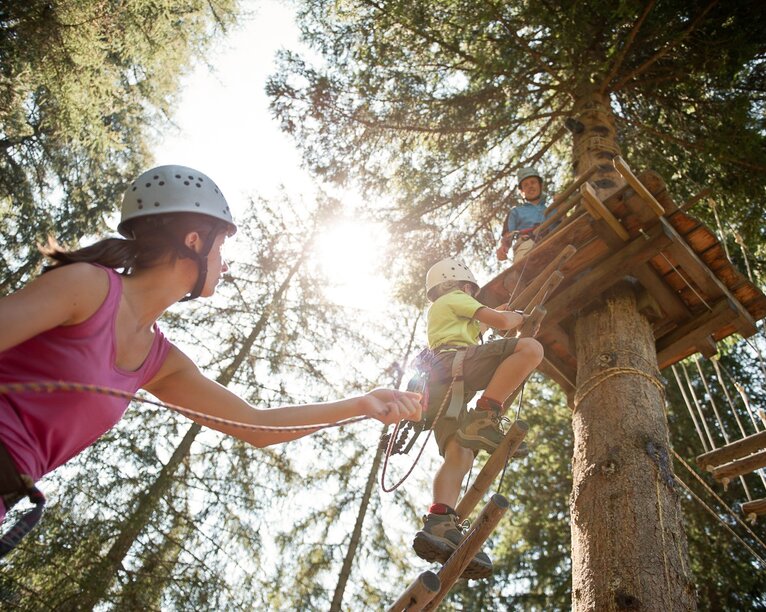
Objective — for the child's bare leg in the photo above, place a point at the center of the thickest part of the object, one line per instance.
(514, 369)
(449, 478)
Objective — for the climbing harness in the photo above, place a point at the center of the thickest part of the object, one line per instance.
(13, 487)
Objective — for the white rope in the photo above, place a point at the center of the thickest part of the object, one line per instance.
(711, 399)
(699, 408)
(705, 446)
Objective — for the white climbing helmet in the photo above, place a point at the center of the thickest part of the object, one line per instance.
(173, 189)
(526, 173)
(448, 270)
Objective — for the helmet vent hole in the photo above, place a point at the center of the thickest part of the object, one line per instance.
(162, 182)
(140, 207)
(198, 185)
(186, 182)
(148, 184)
(178, 176)
(156, 203)
(155, 177)
(134, 188)
(197, 204)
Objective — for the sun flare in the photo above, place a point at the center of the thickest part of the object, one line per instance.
(350, 256)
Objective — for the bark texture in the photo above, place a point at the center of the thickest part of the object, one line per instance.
(628, 545)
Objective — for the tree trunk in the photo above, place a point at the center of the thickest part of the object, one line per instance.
(628, 544)
(356, 534)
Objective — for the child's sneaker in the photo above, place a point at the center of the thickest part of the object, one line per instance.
(480, 430)
(439, 538)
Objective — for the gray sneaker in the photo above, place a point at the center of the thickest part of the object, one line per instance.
(483, 430)
(439, 538)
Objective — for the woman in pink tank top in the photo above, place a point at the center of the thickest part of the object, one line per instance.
(82, 322)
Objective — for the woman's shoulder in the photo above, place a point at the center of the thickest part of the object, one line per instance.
(83, 285)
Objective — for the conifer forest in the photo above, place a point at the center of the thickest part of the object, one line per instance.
(426, 111)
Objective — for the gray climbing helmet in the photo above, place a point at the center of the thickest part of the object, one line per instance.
(526, 173)
(173, 189)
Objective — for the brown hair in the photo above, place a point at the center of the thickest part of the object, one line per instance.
(156, 237)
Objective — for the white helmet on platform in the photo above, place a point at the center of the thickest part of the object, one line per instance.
(173, 189)
(526, 173)
(447, 270)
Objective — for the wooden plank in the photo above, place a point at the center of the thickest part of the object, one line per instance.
(509, 444)
(563, 376)
(560, 203)
(741, 467)
(691, 333)
(607, 273)
(736, 450)
(704, 278)
(418, 594)
(637, 185)
(522, 300)
(598, 210)
(477, 534)
(671, 304)
(754, 508)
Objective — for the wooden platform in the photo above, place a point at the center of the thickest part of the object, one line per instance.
(694, 295)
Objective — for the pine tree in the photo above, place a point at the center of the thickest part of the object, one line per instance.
(439, 103)
(83, 85)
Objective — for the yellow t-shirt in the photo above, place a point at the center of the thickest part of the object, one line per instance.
(450, 320)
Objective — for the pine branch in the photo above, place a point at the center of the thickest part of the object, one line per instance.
(626, 47)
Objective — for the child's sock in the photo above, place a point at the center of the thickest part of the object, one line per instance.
(487, 403)
(440, 509)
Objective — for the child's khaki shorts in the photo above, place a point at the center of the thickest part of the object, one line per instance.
(479, 366)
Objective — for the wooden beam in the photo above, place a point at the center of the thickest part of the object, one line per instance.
(558, 373)
(703, 276)
(607, 273)
(522, 300)
(418, 594)
(599, 211)
(741, 467)
(693, 332)
(509, 444)
(671, 304)
(477, 534)
(560, 203)
(638, 186)
(754, 508)
(736, 450)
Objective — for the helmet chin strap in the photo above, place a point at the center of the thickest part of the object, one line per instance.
(201, 259)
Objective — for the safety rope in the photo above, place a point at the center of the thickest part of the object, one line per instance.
(392, 439)
(51, 386)
(703, 441)
(698, 406)
(714, 513)
(598, 379)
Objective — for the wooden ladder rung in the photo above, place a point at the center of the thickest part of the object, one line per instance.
(731, 452)
(740, 467)
(418, 594)
(754, 508)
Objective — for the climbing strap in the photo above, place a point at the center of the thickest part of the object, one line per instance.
(458, 388)
(13, 487)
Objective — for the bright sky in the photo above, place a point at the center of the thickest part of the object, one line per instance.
(227, 132)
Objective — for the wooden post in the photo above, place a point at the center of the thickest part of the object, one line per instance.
(491, 469)
(477, 534)
(418, 594)
(638, 186)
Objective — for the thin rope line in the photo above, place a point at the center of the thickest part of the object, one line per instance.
(688, 284)
(51, 386)
(705, 446)
(699, 408)
(598, 379)
(720, 501)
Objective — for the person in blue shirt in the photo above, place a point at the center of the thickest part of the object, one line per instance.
(523, 218)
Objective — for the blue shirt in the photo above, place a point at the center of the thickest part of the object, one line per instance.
(526, 215)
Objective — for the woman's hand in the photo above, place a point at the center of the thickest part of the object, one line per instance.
(389, 406)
